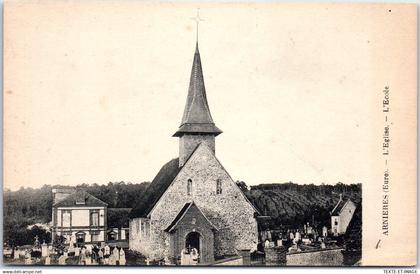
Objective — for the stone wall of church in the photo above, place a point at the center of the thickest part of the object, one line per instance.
(187, 144)
(139, 236)
(229, 211)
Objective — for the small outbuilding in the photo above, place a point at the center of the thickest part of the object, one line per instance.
(341, 216)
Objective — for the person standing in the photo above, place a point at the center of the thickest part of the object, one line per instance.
(106, 251)
(100, 256)
(194, 256)
(95, 251)
(82, 257)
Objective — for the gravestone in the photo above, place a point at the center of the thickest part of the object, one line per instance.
(77, 251)
(166, 260)
(36, 243)
(16, 254)
(116, 255)
(44, 250)
(122, 257)
(62, 259)
(28, 258)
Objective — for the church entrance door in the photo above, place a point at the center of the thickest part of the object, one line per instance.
(192, 240)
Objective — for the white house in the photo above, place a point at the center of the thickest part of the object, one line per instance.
(78, 216)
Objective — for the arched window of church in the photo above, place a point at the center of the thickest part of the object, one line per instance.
(219, 186)
(189, 186)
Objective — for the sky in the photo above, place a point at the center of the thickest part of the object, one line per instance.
(95, 90)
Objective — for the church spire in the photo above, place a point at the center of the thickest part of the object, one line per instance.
(197, 126)
(197, 118)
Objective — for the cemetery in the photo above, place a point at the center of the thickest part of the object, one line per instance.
(71, 254)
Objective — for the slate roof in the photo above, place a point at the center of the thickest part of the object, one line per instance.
(156, 189)
(181, 214)
(118, 217)
(197, 117)
(80, 195)
(339, 206)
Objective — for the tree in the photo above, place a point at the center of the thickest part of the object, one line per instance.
(58, 243)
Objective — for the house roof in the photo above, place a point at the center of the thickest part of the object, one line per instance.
(339, 206)
(181, 214)
(197, 118)
(118, 217)
(80, 198)
(156, 189)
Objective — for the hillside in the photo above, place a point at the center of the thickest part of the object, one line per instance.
(292, 204)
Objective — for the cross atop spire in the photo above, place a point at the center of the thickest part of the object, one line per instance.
(197, 20)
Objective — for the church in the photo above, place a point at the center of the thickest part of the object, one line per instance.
(193, 202)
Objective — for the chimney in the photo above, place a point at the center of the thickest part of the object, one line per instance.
(60, 194)
(80, 199)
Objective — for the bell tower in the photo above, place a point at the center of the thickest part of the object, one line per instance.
(197, 125)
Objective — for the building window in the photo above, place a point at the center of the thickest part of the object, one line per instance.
(143, 229)
(335, 222)
(189, 186)
(66, 218)
(94, 218)
(147, 229)
(219, 186)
